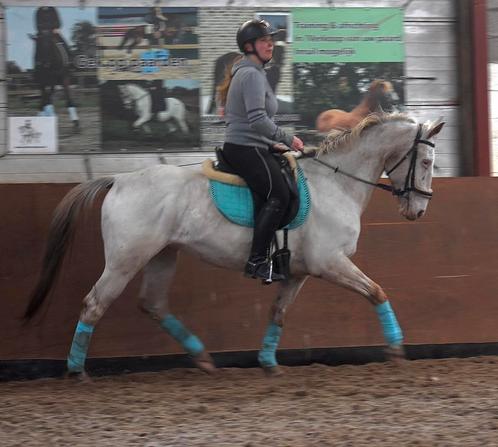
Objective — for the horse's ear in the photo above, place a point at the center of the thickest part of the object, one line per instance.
(435, 128)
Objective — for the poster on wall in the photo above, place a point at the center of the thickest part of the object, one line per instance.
(346, 60)
(33, 134)
(148, 72)
(45, 76)
(149, 115)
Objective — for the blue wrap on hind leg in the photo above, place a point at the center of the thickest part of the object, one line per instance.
(79, 347)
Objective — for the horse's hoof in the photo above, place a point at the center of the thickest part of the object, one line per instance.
(81, 377)
(395, 353)
(273, 371)
(76, 126)
(204, 362)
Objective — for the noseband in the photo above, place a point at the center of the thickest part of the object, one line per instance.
(410, 175)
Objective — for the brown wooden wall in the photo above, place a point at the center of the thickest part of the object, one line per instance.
(441, 274)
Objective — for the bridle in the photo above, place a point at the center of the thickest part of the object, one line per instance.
(409, 185)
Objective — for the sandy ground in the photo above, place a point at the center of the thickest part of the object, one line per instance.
(450, 402)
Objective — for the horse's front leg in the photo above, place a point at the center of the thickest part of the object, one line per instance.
(71, 108)
(344, 273)
(144, 118)
(267, 355)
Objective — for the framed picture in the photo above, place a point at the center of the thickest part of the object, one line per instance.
(280, 21)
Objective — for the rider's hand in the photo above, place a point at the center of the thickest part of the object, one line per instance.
(297, 144)
(280, 147)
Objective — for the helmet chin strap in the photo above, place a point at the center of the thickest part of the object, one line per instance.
(263, 61)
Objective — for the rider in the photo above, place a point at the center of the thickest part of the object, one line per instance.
(251, 134)
(157, 96)
(48, 22)
(158, 21)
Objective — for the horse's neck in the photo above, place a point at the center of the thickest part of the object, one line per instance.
(367, 105)
(366, 161)
(136, 90)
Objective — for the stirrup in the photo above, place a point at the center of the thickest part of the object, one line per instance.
(262, 269)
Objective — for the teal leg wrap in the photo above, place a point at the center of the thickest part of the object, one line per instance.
(390, 326)
(181, 334)
(79, 347)
(267, 356)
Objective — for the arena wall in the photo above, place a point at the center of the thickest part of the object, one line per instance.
(439, 272)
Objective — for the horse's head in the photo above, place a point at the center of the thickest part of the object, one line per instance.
(383, 94)
(410, 168)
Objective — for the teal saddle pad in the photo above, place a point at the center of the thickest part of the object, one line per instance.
(236, 204)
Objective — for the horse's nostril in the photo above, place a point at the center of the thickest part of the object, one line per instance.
(420, 214)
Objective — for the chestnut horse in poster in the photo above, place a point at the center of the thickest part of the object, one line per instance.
(379, 94)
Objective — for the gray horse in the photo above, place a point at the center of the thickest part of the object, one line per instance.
(148, 215)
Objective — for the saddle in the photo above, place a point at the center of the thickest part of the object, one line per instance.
(288, 168)
(235, 201)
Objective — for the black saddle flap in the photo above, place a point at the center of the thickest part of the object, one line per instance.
(290, 180)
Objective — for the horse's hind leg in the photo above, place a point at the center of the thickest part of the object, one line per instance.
(103, 293)
(158, 275)
(267, 355)
(343, 272)
(46, 106)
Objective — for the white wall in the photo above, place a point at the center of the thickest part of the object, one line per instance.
(492, 9)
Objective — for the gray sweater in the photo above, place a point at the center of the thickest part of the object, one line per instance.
(249, 108)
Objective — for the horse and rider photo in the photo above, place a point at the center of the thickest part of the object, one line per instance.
(148, 41)
(45, 77)
(145, 115)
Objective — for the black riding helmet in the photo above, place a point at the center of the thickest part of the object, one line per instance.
(251, 30)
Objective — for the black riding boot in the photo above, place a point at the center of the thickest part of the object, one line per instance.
(267, 222)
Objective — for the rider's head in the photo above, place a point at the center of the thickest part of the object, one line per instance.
(255, 37)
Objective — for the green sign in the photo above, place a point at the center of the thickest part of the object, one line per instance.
(348, 35)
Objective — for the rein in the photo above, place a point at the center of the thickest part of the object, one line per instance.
(410, 175)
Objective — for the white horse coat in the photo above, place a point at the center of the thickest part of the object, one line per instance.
(148, 215)
(139, 99)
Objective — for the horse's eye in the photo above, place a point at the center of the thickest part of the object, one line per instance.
(426, 163)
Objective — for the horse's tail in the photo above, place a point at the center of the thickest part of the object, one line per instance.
(60, 235)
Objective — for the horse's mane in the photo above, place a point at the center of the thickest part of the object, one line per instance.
(338, 138)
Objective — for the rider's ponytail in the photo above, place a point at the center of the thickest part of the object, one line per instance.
(222, 89)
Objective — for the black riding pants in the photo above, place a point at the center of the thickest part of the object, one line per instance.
(261, 171)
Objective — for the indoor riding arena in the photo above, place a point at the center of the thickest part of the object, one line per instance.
(338, 382)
